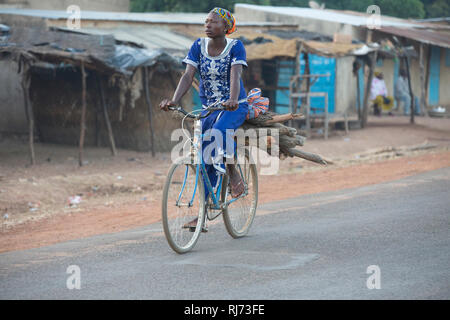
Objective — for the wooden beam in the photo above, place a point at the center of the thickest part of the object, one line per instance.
(296, 84)
(149, 107)
(25, 83)
(83, 115)
(427, 77)
(307, 76)
(112, 143)
(422, 80)
(411, 94)
(372, 59)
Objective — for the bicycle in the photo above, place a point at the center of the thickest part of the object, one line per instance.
(184, 194)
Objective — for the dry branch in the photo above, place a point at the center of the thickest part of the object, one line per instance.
(291, 152)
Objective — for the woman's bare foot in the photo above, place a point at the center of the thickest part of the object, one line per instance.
(237, 185)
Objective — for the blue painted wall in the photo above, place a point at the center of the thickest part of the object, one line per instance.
(435, 63)
(396, 74)
(361, 85)
(323, 65)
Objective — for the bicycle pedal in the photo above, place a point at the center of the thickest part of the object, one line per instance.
(204, 229)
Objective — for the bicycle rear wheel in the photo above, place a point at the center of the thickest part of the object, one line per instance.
(238, 216)
(183, 201)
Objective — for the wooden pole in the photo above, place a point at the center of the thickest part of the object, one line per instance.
(411, 94)
(296, 84)
(306, 101)
(112, 143)
(308, 79)
(149, 106)
(325, 131)
(422, 80)
(97, 128)
(26, 80)
(427, 76)
(83, 114)
(372, 58)
(358, 93)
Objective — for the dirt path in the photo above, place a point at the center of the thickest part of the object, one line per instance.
(124, 192)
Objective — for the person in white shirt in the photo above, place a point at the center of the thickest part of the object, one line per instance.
(401, 93)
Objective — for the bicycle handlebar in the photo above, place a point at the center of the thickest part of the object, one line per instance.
(210, 109)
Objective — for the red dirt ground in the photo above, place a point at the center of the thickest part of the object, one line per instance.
(124, 192)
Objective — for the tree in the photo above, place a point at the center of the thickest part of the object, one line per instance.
(437, 8)
(402, 8)
(188, 6)
(354, 5)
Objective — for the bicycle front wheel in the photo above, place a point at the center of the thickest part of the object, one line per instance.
(183, 201)
(238, 216)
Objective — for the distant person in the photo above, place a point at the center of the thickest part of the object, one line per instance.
(401, 93)
(379, 95)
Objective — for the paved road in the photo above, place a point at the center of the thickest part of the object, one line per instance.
(312, 247)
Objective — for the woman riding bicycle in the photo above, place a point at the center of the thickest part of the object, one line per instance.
(219, 61)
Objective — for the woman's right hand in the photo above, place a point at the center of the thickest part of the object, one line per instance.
(166, 103)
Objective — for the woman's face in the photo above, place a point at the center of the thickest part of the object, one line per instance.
(214, 26)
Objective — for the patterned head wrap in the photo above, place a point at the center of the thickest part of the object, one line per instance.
(227, 17)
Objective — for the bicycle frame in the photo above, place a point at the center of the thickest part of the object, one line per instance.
(237, 220)
(201, 167)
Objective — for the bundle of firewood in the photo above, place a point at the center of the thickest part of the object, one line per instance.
(289, 138)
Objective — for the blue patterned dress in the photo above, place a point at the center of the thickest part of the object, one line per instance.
(215, 86)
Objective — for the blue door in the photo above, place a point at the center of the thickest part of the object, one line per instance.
(322, 65)
(286, 69)
(433, 89)
(318, 65)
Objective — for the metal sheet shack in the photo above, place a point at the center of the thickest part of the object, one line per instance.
(53, 57)
(430, 40)
(131, 61)
(87, 89)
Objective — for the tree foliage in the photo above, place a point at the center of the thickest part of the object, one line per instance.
(402, 8)
(397, 8)
(188, 6)
(438, 8)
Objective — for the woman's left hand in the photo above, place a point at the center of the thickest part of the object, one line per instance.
(231, 105)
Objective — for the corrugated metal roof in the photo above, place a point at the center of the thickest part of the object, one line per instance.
(94, 51)
(188, 18)
(428, 33)
(151, 38)
(345, 17)
(433, 37)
